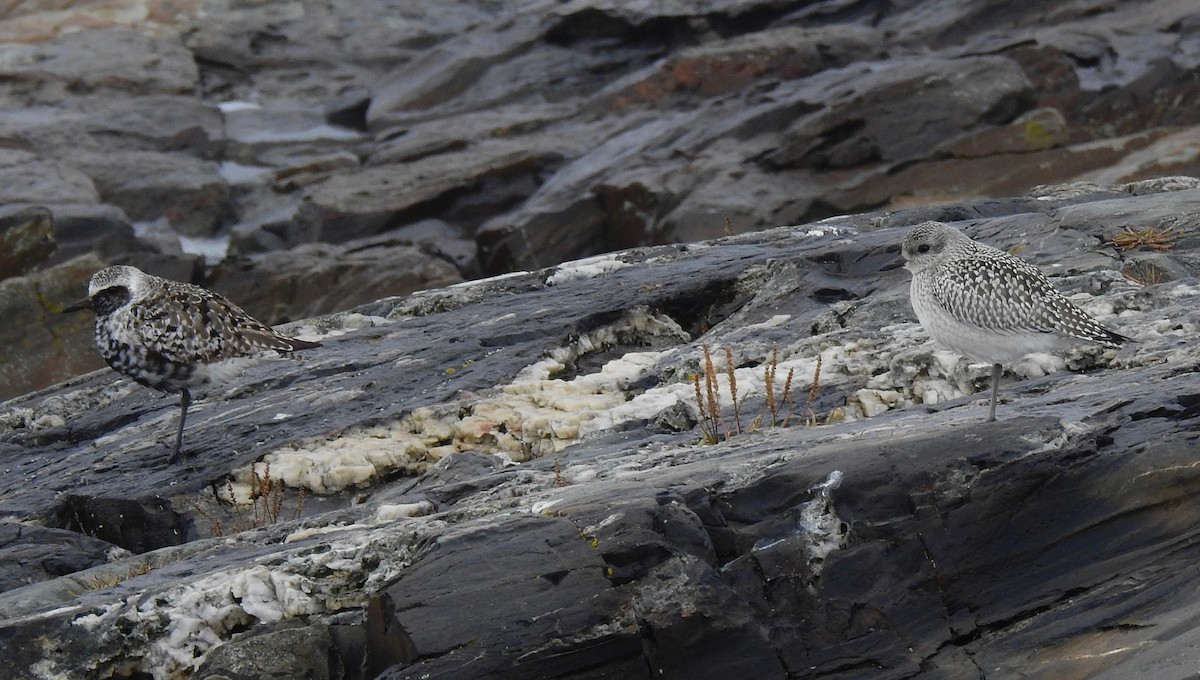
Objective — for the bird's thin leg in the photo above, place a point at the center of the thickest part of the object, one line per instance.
(997, 369)
(185, 400)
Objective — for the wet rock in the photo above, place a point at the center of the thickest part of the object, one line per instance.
(506, 478)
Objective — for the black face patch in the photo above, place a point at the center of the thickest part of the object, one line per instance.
(109, 299)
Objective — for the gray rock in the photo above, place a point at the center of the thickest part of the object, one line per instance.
(93, 228)
(882, 115)
(729, 66)
(283, 650)
(440, 75)
(321, 278)
(565, 218)
(489, 493)
(99, 60)
(99, 123)
(1055, 542)
(25, 179)
(379, 198)
(34, 553)
(628, 124)
(186, 191)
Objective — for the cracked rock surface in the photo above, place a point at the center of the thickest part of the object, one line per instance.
(508, 478)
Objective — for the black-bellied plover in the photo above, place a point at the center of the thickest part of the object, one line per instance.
(174, 336)
(988, 305)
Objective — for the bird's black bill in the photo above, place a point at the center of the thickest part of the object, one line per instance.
(85, 303)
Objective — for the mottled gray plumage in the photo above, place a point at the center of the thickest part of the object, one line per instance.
(989, 305)
(173, 336)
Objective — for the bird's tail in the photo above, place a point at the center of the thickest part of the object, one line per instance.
(1113, 338)
(298, 344)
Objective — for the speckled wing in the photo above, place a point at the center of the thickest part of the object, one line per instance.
(188, 324)
(1008, 295)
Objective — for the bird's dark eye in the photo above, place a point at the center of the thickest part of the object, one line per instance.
(923, 248)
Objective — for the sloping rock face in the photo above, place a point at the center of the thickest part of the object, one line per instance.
(203, 139)
(516, 477)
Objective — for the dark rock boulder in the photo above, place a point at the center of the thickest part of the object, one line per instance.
(26, 240)
(33, 554)
(320, 278)
(93, 228)
(42, 346)
(385, 197)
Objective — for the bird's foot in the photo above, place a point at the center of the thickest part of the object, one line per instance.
(175, 455)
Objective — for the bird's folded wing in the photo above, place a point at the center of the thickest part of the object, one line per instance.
(202, 327)
(1004, 296)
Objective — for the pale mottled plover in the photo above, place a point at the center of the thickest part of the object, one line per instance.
(988, 305)
(174, 336)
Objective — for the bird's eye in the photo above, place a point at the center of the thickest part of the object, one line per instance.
(923, 248)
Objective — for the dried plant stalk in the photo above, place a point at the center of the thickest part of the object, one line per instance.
(811, 417)
(733, 392)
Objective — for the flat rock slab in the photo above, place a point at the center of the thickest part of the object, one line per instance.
(506, 478)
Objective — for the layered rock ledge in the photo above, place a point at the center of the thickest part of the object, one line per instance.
(506, 478)
(278, 150)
